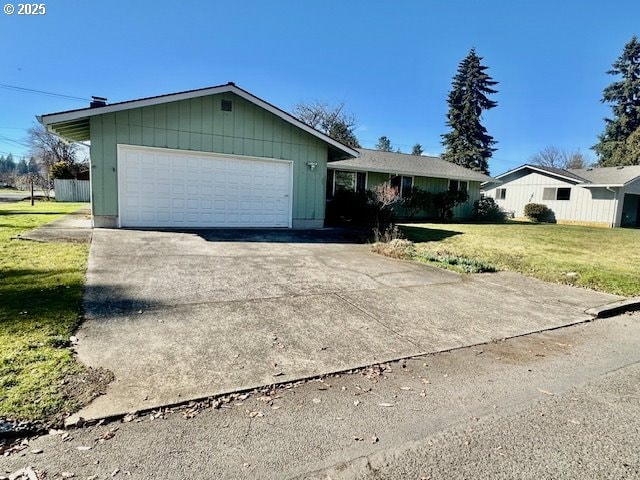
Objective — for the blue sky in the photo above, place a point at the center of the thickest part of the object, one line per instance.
(391, 63)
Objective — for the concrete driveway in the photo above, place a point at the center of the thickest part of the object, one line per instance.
(179, 316)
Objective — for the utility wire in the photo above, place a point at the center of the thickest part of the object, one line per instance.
(41, 92)
(4, 139)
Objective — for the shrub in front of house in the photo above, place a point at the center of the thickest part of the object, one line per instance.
(371, 208)
(351, 208)
(445, 202)
(487, 210)
(396, 248)
(416, 201)
(537, 212)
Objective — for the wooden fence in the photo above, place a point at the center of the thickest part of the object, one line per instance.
(71, 190)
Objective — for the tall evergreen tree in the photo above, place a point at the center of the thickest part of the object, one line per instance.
(417, 149)
(22, 167)
(613, 147)
(384, 144)
(33, 165)
(468, 143)
(7, 165)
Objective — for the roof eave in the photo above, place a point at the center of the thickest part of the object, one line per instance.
(601, 185)
(492, 181)
(48, 120)
(541, 170)
(391, 171)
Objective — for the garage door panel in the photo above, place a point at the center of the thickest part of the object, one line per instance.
(162, 189)
(159, 188)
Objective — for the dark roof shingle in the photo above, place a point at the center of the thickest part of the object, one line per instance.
(406, 164)
(608, 175)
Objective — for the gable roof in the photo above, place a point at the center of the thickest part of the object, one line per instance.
(406, 164)
(74, 124)
(556, 172)
(586, 177)
(609, 175)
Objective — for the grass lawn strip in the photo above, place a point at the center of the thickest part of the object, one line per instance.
(603, 259)
(40, 302)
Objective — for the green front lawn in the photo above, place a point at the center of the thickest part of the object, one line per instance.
(40, 301)
(605, 259)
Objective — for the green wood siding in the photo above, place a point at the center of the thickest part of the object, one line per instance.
(199, 124)
(433, 185)
(374, 179)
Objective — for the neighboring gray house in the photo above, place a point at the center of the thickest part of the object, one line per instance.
(607, 197)
(374, 167)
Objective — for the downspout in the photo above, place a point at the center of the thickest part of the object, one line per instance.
(617, 203)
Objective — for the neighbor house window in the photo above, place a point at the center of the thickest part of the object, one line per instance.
(501, 193)
(458, 185)
(347, 181)
(556, 194)
(402, 183)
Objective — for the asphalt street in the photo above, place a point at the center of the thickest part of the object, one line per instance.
(559, 404)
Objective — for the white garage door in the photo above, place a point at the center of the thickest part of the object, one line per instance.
(173, 188)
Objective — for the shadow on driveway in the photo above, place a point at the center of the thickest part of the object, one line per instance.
(263, 235)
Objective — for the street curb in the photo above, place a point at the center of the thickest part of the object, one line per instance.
(76, 420)
(615, 308)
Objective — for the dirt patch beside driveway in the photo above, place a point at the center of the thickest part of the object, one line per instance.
(177, 316)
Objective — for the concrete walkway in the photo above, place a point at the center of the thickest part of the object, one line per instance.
(179, 316)
(74, 227)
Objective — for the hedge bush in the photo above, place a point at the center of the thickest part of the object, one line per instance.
(487, 210)
(537, 212)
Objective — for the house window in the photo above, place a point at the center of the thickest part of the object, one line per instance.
(458, 185)
(402, 183)
(330, 174)
(556, 194)
(346, 181)
(361, 181)
(501, 193)
(563, 194)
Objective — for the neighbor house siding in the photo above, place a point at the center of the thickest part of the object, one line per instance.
(627, 212)
(199, 124)
(586, 205)
(633, 187)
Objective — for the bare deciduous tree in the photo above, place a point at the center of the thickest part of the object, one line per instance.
(48, 149)
(330, 120)
(383, 198)
(558, 158)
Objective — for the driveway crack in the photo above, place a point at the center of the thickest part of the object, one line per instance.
(378, 321)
